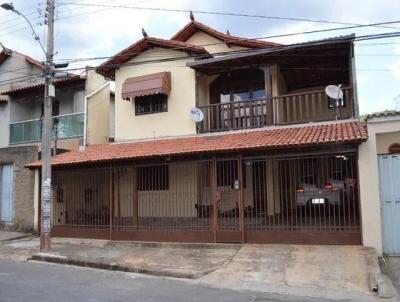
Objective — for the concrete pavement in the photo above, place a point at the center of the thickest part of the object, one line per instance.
(335, 272)
(168, 259)
(42, 282)
(7, 236)
(391, 267)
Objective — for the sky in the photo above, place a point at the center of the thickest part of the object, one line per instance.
(88, 31)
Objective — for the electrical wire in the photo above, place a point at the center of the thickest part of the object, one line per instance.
(364, 37)
(218, 13)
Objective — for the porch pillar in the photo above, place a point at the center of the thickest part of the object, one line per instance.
(268, 92)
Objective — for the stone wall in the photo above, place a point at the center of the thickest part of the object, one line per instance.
(23, 183)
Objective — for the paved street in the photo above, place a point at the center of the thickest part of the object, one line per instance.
(32, 281)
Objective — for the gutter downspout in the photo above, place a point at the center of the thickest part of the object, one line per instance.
(86, 110)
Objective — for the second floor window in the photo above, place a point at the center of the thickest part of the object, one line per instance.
(151, 104)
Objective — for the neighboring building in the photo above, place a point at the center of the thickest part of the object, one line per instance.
(379, 162)
(274, 160)
(20, 137)
(16, 206)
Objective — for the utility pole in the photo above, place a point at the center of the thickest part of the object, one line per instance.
(46, 219)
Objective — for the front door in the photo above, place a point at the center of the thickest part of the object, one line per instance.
(228, 184)
(6, 200)
(389, 180)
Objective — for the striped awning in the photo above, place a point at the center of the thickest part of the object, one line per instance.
(146, 85)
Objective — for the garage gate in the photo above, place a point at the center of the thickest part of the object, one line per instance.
(389, 179)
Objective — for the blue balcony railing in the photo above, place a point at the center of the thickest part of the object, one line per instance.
(67, 126)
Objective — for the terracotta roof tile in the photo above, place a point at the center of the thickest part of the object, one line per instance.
(279, 138)
(108, 68)
(186, 32)
(57, 83)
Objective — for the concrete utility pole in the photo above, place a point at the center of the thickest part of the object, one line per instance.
(46, 133)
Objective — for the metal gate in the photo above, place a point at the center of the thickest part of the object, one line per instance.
(6, 200)
(228, 178)
(307, 199)
(389, 180)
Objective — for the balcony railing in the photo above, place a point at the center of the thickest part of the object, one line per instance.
(311, 106)
(68, 126)
(234, 115)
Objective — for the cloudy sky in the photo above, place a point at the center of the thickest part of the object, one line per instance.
(84, 31)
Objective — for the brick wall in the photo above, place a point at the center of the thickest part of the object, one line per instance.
(23, 183)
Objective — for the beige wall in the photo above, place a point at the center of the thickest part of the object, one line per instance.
(176, 121)
(381, 132)
(179, 200)
(211, 44)
(98, 117)
(384, 140)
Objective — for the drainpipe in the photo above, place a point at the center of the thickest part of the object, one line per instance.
(86, 110)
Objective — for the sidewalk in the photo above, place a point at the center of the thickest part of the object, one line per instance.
(334, 272)
(7, 236)
(169, 260)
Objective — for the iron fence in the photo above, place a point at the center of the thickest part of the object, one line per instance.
(229, 198)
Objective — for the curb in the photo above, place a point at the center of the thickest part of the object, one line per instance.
(378, 282)
(16, 238)
(114, 267)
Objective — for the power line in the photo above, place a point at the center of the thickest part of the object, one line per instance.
(365, 37)
(221, 14)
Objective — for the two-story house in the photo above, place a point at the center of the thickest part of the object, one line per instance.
(78, 98)
(16, 70)
(220, 139)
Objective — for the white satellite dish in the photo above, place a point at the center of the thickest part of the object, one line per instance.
(196, 114)
(334, 92)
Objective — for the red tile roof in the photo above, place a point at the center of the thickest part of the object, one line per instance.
(57, 83)
(4, 55)
(279, 138)
(194, 26)
(108, 68)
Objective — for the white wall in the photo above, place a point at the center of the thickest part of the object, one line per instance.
(369, 181)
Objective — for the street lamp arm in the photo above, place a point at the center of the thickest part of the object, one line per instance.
(10, 7)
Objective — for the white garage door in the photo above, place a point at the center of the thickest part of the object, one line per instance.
(389, 179)
(6, 198)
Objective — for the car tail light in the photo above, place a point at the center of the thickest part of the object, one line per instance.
(300, 190)
(328, 186)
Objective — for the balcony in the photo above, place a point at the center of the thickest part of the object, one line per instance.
(68, 126)
(304, 107)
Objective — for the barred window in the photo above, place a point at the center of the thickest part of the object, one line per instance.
(153, 178)
(151, 104)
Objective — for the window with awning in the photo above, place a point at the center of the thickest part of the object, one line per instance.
(146, 85)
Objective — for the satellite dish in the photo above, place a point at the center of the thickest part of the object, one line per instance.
(196, 114)
(334, 92)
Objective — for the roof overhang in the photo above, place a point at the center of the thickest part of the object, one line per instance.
(146, 85)
(40, 85)
(194, 26)
(108, 68)
(289, 137)
(4, 55)
(321, 49)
